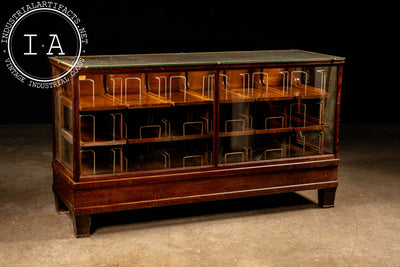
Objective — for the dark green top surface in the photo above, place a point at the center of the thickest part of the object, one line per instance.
(198, 58)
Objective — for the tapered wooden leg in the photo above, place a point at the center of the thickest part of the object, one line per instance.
(60, 206)
(82, 225)
(326, 197)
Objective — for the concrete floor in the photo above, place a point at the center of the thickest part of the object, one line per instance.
(282, 230)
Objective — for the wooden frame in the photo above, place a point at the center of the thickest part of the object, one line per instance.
(84, 195)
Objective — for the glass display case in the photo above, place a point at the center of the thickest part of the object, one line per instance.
(135, 131)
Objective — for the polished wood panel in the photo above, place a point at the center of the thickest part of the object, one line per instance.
(201, 186)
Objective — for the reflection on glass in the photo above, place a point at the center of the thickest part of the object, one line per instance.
(277, 113)
(63, 123)
(146, 121)
(163, 120)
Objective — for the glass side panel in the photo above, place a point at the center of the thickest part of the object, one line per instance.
(145, 121)
(276, 113)
(63, 123)
(166, 59)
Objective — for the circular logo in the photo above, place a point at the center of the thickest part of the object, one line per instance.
(36, 32)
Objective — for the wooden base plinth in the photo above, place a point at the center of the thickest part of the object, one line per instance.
(109, 195)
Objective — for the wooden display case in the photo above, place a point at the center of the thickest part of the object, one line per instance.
(137, 131)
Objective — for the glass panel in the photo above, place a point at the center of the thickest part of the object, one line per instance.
(236, 116)
(273, 113)
(101, 122)
(63, 123)
(174, 128)
(146, 121)
(162, 120)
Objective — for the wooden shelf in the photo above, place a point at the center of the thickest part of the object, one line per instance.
(199, 96)
(311, 128)
(169, 138)
(192, 137)
(150, 99)
(146, 100)
(275, 130)
(150, 140)
(230, 96)
(312, 92)
(237, 133)
(177, 98)
(99, 102)
(292, 129)
(100, 142)
(87, 139)
(273, 94)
